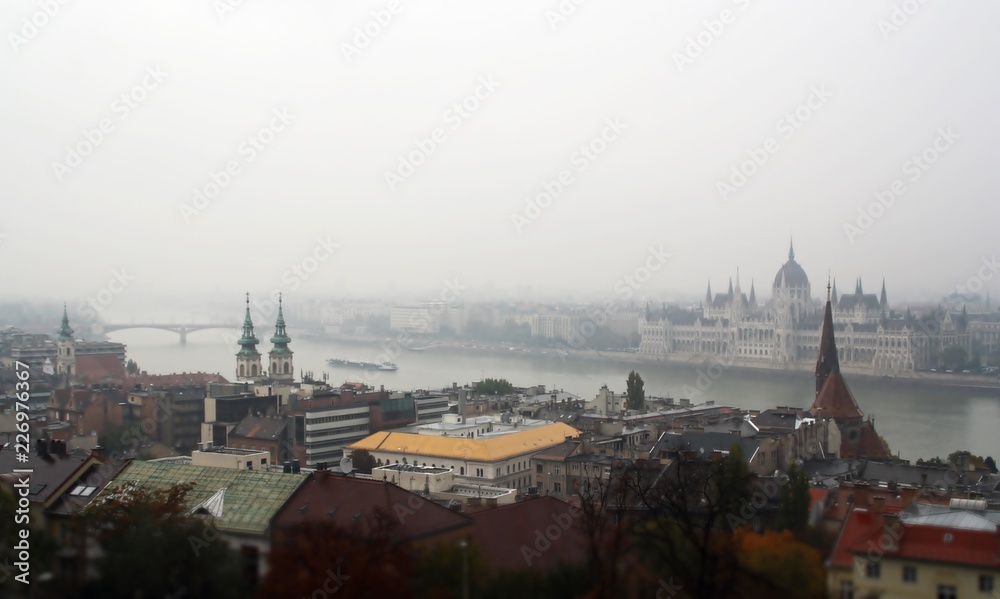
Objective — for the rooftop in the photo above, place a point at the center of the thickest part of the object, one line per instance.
(344, 500)
(251, 498)
(489, 449)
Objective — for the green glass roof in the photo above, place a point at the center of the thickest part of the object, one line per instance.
(252, 497)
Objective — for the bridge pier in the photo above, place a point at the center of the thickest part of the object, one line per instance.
(184, 336)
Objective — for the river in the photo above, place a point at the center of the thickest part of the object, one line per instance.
(918, 421)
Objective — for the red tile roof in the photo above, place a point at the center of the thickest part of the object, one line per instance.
(538, 534)
(861, 528)
(863, 534)
(99, 368)
(967, 547)
(174, 379)
(835, 399)
(340, 500)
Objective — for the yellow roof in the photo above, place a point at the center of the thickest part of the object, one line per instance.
(491, 449)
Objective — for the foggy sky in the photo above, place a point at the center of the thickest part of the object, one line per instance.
(874, 95)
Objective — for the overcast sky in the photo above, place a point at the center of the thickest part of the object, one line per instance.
(116, 113)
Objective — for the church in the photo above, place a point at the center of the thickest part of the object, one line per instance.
(834, 400)
(785, 331)
(248, 359)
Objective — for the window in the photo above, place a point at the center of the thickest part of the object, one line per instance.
(558, 471)
(909, 574)
(873, 570)
(945, 591)
(84, 490)
(985, 583)
(538, 468)
(846, 589)
(557, 487)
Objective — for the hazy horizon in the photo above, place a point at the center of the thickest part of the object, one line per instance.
(388, 163)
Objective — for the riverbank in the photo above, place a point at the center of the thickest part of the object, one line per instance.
(393, 345)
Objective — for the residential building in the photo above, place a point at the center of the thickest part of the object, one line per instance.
(263, 433)
(540, 535)
(75, 360)
(62, 484)
(326, 423)
(240, 503)
(231, 457)
(924, 551)
(420, 319)
(438, 484)
(343, 501)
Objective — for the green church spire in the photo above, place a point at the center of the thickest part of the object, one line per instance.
(280, 338)
(248, 343)
(65, 332)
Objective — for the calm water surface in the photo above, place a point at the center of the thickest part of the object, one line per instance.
(917, 421)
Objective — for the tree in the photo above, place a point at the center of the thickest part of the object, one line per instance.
(635, 392)
(367, 558)
(793, 513)
(776, 565)
(954, 357)
(989, 463)
(153, 548)
(493, 387)
(363, 461)
(131, 368)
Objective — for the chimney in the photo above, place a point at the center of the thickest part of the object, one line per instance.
(98, 453)
(878, 505)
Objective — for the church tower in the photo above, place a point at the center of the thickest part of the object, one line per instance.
(248, 358)
(827, 363)
(66, 347)
(280, 356)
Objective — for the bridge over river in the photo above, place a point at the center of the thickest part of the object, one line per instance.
(180, 329)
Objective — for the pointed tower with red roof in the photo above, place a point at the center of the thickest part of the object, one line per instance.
(834, 399)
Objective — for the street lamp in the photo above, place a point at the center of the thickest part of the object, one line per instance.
(464, 546)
